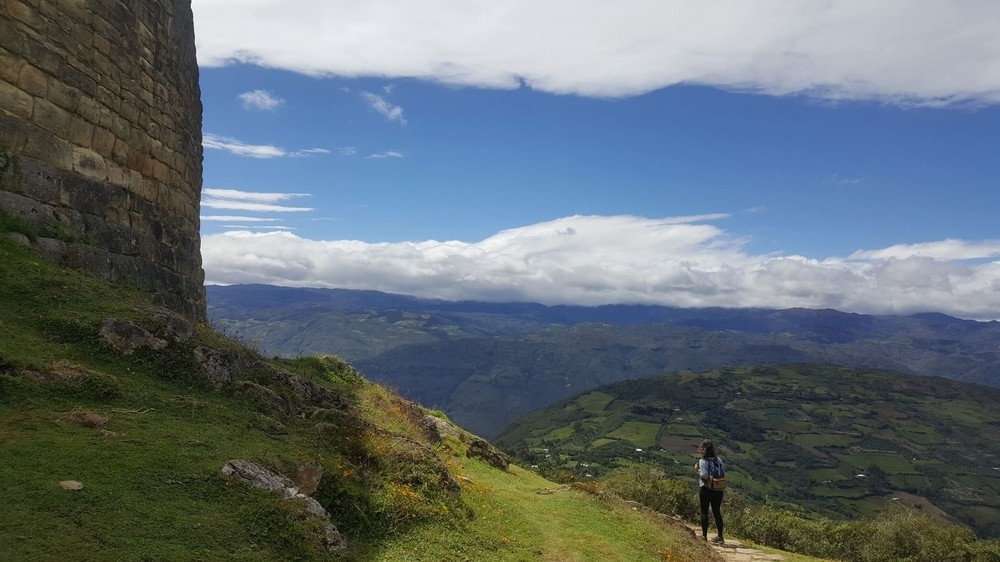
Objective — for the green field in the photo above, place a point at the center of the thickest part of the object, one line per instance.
(786, 430)
(640, 434)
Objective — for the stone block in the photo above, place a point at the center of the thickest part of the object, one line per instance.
(62, 38)
(10, 66)
(33, 212)
(15, 100)
(11, 37)
(45, 146)
(140, 140)
(103, 141)
(89, 109)
(102, 45)
(78, 79)
(40, 181)
(116, 175)
(50, 117)
(13, 136)
(74, 9)
(33, 81)
(116, 238)
(63, 95)
(89, 196)
(159, 151)
(120, 126)
(80, 132)
(88, 163)
(129, 111)
(26, 15)
(120, 152)
(161, 172)
(106, 116)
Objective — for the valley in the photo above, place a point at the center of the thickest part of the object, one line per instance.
(833, 440)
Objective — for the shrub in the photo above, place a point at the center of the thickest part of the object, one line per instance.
(652, 488)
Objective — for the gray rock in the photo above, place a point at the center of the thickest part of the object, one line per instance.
(482, 449)
(19, 239)
(437, 429)
(170, 325)
(127, 336)
(260, 477)
(263, 396)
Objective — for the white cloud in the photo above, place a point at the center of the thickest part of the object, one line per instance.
(347, 150)
(261, 100)
(240, 148)
(942, 250)
(236, 200)
(382, 106)
(309, 152)
(386, 154)
(234, 218)
(595, 260)
(910, 52)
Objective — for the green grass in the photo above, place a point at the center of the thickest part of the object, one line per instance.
(152, 489)
(594, 402)
(640, 434)
(560, 433)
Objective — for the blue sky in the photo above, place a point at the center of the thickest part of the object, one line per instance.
(839, 155)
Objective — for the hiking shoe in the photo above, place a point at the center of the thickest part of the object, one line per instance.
(718, 540)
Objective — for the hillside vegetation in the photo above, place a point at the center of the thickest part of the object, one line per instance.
(486, 364)
(98, 389)
(831, 440)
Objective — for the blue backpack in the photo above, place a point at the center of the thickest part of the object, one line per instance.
(716, 474)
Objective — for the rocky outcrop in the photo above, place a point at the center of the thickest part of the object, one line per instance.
(437, 429)
(262, 478)
(165, 327)
(480, 448)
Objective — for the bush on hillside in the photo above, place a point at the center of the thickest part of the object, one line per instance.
(652, 488)
(896, 534)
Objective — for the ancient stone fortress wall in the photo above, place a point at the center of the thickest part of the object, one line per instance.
(100, 139)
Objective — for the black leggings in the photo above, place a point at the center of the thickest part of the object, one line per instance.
(713, 497)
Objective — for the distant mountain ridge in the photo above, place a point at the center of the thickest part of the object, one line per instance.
(486, 364)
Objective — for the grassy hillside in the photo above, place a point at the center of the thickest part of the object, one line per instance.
(146, 432)
(833, 440)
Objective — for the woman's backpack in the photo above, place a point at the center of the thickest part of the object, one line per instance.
(716, 475)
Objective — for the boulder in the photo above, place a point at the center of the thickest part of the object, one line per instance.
(263, 396)
(169, 325)
(482, 449)
(126, 336)
(437, 429)
(260, 477)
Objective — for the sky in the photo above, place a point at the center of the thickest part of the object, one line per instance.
(778, 153)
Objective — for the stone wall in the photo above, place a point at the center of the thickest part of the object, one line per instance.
(100, 139)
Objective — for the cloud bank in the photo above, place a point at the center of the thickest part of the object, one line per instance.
(593, 260)
(910, 52)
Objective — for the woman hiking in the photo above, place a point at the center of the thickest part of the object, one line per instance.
(710, 470)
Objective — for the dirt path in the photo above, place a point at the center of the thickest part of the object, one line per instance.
(734, 551)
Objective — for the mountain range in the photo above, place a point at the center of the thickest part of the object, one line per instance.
(486, 364)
